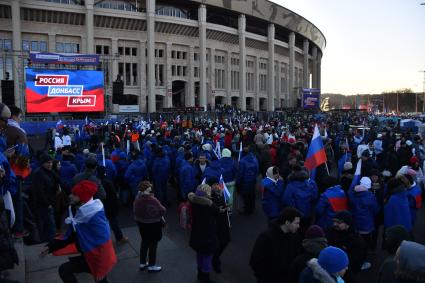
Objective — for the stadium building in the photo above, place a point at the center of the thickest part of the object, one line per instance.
(253, 54)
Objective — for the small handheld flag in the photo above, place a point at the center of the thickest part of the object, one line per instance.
(316, 155)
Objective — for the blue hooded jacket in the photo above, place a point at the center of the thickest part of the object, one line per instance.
(332, 201)
(414, 195)
(300, 193)
(67, 173)
(248, 172)
(213, 171)
(396, 210)
(229, 169)
(272, 197)
(136, 172)
(363, 207)
(160, 169)
(187, 179)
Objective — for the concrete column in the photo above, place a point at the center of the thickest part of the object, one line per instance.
(314, 68)
(52, 42)
(319, 70)
(202, 21)
(89, 26)
(291, 93)
(257, 84)
(306, 76)
(271, 73)
(211, 94)
(190, 100)
(114, 50)
(277, 91)
(150, 28)
(242, 63)
(229, 70)
(169, 79)
(142, 72)
(17, 46)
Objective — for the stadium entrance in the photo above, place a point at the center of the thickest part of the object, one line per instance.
(179, 93)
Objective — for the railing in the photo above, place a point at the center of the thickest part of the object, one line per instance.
(123, 6)
(69, 2)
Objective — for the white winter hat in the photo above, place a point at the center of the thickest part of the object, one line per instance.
(348, 166)
(409, 143)
(226, 153)
(366, 182)
(207, 147)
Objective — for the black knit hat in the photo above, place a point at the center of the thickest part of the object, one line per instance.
(344, 216)
(45, 158)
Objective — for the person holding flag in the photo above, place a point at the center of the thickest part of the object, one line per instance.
(316, 154)
(220, 198)
(90, 233)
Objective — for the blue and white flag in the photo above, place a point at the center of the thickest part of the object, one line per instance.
(223, 186)
(357, 175)
(240, 151)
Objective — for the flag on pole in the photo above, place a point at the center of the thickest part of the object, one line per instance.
(59, 124)
(204, 181)
(103, 155)
(128, 147)
(87, 120)
(357, 175)
(316, 155)
(223, 186)
(240, 151)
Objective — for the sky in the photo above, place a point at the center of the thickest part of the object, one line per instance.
(372, 45)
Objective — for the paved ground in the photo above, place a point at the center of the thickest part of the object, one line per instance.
(177, 259)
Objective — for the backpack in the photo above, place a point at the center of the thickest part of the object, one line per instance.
(185, 215)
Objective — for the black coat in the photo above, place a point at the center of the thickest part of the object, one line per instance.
(355, 247)
(111, 202)
(273, 253)
(8, 255)
(44, 188)
(203, 236)
(222, 220)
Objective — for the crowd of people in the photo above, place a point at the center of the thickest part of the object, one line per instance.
(323, 223)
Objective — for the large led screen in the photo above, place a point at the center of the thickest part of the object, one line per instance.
(64, 91)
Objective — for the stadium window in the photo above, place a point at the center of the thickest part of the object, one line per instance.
(134, 51)
(160, 53)
(34, 45)
(134, 73)
(7, 44)
(161, 75)
(178, 55)
(128, 73)
(179, 71)
(98, 49)
(9, 67)
(121, 69)
(1, 44)
(196, 72)
(120, 50)
(106, 50)
(195, 56)
(43, 46)
(184, 71)
(1, 67)
(67, 48)
(25, 45)
(127, 51)
(184, 55)
(59, 47)
(173, 54)
(173, 70)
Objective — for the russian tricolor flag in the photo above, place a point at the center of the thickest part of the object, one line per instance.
(316, 154)
(357, 175)
(94, 237)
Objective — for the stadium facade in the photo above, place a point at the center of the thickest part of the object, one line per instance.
(253, 54)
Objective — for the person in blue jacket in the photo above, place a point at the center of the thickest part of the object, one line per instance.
(122, 165)
(301, 194)
(364, 207)
(396, 204)
(213, 171)
(272, 194)
(230, 170)
(136, 172)
(414, 195)
(160, 175)
(332, 201)
(187, 176)
(177, 164)
(247, 180)
(67, 172)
